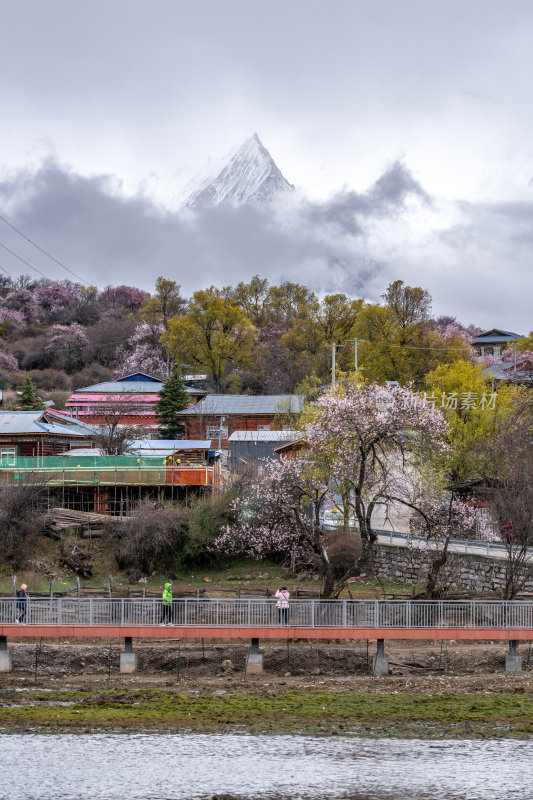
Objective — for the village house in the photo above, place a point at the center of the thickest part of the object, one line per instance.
(218, 416)
(506, 372)
(27, 434)
(131, 398)
(291, 450)
(85, 479)
(493, 342)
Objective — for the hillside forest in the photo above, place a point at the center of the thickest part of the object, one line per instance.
(253, 338)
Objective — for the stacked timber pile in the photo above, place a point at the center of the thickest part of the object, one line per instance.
(59, 519)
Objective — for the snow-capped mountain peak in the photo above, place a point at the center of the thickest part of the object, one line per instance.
(246, 173)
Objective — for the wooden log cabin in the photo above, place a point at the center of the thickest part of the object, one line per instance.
(217, 416)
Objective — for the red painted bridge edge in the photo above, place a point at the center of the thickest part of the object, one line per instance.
(212, 632)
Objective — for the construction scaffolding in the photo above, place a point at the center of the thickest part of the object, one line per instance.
(110, 484)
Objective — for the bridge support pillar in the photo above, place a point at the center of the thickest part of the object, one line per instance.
(5, 655)
(128, 659)
(380, 665)
(254, 659)
(513, 662)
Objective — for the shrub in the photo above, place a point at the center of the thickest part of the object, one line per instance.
(344, 550)
(21, 521)
(166, 537)
(154, 537)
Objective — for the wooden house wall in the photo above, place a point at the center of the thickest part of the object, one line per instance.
(196, 426)
(35, 447)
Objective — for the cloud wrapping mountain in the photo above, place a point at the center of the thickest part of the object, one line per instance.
(356, 242)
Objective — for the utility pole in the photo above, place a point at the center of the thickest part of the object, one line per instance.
(355, 364)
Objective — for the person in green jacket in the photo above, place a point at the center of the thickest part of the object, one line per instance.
(166, 609)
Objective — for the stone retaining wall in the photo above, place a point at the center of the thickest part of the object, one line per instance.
(474, 573)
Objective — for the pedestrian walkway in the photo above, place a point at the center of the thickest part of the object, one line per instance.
(222, 618)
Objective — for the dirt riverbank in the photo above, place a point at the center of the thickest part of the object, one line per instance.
(300, 661)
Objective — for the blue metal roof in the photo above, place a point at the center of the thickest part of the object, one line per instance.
(264, 436)
(496, 335)
(138, 376)
(505, 372)
(169, 444)
(27, 422)
(135, 387)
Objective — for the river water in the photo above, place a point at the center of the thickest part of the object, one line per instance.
(179, 766)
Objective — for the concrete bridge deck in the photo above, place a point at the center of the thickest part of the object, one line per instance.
(255, 632)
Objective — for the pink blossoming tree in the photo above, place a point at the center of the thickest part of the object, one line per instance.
(143, 353)
(278, 515)
(365, 447)
(67, 344)
(365, 438)
(55, 301)
(7, 361)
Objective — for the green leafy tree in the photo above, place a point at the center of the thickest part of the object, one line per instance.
(215, 334)
(289, 301)
(173, 398)
(525, 343)
(325, 322)
(29, 400)
(474, 413)
(254, 299)
(398, 342)
(166, 303)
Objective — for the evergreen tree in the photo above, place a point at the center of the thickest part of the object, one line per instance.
(173, 398)
(29, 400)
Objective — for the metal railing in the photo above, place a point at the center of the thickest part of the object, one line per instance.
(263, 613)
(497, 550)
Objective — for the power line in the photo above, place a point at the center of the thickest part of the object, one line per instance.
(5, 271)
(414, 346)
(42, 250)
(24, 261)
(74, 247)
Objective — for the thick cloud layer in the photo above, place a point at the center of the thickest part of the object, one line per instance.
(353, 242)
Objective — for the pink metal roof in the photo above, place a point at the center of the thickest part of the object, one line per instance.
(95, 399)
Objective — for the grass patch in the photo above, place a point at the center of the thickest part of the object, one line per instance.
(399, 714)
(225, 580)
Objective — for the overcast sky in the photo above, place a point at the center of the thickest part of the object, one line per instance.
(406, 126)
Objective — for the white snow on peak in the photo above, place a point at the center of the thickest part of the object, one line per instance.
(245, 173)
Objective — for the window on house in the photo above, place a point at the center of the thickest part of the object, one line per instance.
(7, 455)
(263, 427)
(216, 432)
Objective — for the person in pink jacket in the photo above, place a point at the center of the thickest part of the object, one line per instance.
(282, 597)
